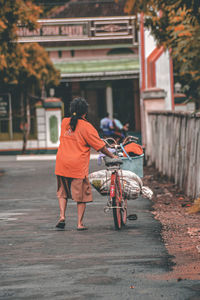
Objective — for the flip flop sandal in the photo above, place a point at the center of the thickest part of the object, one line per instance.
(82, 228)
(61, 224)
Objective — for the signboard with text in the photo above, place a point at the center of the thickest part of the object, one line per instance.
(80, 29)
(67, 30)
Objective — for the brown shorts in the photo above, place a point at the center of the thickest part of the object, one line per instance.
(76, 188)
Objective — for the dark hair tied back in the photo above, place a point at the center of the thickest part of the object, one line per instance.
(78, 107)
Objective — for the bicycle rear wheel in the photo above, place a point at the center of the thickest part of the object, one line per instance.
(117, 216)
(117, 204)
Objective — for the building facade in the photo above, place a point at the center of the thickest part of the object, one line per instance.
(104, 59)
(98, 59)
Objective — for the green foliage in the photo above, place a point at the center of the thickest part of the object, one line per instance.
(24, 64)
(175, 24)
(49, 6)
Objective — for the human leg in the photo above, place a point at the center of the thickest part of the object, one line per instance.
(63, 193)
(82, 194)
(80, 212)
(62, 205)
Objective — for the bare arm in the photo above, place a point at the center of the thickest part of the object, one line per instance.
(105, 151)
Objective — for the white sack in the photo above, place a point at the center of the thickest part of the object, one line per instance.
(132, 185)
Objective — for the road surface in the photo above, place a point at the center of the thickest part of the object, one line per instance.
(40, 262)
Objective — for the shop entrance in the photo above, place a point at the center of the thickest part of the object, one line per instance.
(125, 101)
(124, 94)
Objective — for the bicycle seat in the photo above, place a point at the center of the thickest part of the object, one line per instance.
(112, 161)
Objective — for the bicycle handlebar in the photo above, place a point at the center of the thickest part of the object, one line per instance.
(130, 138)
(111, 142)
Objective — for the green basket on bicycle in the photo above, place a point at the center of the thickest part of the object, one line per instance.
(133, 164)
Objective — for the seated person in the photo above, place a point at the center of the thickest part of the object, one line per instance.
(106, 126)
(120, 130)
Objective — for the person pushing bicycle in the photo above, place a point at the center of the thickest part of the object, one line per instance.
(77, 137)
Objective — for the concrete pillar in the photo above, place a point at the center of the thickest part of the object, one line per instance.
(41, 126)
(76, 90)
(53, 118)
(109, 100)
(49, 119)
(136, 99)
(153, 100)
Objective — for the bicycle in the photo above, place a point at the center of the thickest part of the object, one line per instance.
(116, 200)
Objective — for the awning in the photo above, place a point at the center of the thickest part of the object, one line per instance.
(101, 69)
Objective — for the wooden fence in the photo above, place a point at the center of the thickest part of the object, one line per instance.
(173, 145)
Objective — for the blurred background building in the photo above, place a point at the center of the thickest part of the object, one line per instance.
(95, 46)
(103, 55)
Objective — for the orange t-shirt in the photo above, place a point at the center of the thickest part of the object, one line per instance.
(73, 154)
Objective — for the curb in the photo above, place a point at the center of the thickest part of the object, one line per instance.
(42, 157)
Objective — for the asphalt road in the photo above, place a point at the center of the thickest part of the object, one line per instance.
(39, 262)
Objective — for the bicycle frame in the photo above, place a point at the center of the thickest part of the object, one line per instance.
(115, 178)
(115, 198)
(116, 202)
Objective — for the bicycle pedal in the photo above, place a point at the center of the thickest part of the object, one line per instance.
(106, 209)
(132, 217)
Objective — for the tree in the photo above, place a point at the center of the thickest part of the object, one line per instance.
(175, 24)
(35, 70)
(25, 65)
(48, 6)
